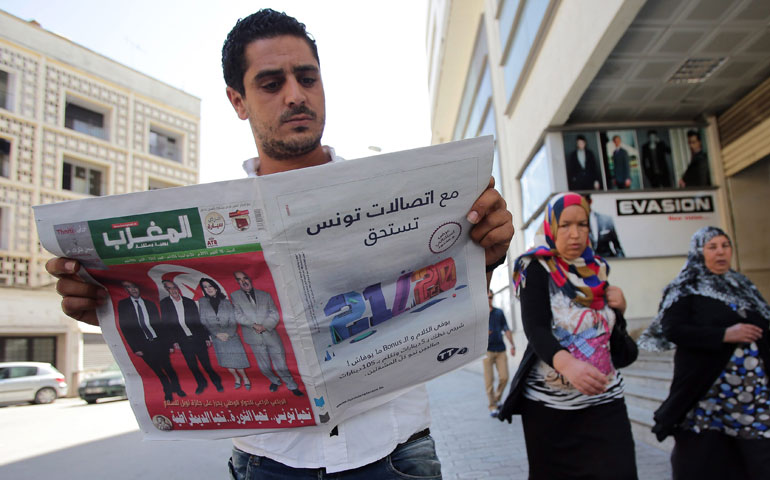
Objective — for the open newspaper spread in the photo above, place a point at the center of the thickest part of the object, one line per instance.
(292, 300)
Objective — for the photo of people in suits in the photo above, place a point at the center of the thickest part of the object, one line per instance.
(583, 170)
(697, 173)
(258, 317)
(603, 236)
(181, 320)
(621, 159)
(656, 158)
(147, 337)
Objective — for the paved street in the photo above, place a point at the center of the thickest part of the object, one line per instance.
(471, 445)
(71, 440)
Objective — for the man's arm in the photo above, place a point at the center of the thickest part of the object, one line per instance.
(270, 320)
(509, 336)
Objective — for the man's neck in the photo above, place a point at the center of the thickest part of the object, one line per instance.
(269, 165)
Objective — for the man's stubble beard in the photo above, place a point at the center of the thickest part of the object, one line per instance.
(285, 150)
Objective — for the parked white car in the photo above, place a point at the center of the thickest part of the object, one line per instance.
(34, 382)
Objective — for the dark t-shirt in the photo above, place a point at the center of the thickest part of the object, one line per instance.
(497, 325)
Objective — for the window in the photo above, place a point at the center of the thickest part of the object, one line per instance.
(523, 35)
(85, 120)
(81, 178)
(4, 229)
(5, 158)
(155, 184)
(536, 183)
(6, 98)
(165, 145)
(28, 349)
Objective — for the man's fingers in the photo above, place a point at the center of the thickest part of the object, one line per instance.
(80, 308)
(494, 228)
(59, 266)
(75, 287)
(490, 199)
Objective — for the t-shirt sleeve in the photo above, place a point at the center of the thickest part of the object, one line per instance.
(536, 315)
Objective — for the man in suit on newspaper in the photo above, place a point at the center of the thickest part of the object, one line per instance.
(146, 336)
(186, 332)
(255, 311)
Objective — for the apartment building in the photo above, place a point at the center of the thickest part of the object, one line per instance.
(73, 124)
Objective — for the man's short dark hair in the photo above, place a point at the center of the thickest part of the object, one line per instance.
(650, 132)
(266, 23)
(580, 137)
(693, 133)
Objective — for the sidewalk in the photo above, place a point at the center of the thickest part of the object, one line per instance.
(471, 445)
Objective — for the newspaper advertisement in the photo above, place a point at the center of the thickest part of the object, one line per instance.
(292, 300)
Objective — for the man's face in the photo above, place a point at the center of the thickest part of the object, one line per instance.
(284, 97)
(132, 289)
(244, 281)
(694, 144)
(172, 290)
(581, 144)
(616, 141)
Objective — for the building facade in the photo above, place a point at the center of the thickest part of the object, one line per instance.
(666, 102)
(73, 124)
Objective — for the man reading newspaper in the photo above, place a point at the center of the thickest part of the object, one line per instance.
(273, 78)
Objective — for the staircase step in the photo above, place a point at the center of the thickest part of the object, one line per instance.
(644, 397)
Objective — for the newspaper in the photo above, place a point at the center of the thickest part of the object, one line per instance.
(291, 300)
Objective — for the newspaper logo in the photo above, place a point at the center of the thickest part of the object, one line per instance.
(147, 234)
(240, 219)
(448, 353)
(215, 223)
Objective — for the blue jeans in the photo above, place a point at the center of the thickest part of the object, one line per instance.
(411, 460)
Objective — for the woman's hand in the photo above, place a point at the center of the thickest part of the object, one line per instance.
(742, 333)
(615, 298)
(582, 375)
(223, 336)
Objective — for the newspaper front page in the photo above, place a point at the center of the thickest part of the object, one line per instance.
(292, 300)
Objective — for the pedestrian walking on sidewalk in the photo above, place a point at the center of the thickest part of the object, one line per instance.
(567, 388)
(496, 358)
(718, 408)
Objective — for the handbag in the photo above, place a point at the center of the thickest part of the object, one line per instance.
(588, 345)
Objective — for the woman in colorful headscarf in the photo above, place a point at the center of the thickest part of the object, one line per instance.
(567, 388)
(717, 409)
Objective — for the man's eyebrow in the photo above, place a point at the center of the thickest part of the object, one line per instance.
(268, 73)
(304, 69)
(279, 71)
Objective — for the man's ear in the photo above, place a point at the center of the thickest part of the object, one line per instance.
(238, 103)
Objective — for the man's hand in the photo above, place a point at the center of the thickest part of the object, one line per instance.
(742, 333)
(513, 351)
(628, 182)
(208, 343)
(492, 223)
(139, 353)
(258, 328)
(80, 299)
(222, 336)
(582, 375)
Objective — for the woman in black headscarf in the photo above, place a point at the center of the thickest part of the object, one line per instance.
(218, 316)
(718, 408)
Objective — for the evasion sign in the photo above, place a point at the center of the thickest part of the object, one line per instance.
(649, 224)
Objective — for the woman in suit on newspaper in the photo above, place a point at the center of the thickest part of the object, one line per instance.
(218, 315)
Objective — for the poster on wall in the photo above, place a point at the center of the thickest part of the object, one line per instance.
(649, 224)
(636, 159)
